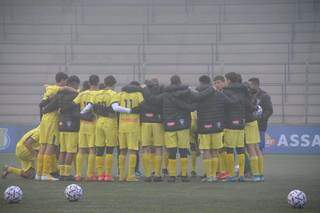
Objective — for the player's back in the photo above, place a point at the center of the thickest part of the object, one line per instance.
(50, 91)
(129, 98)
(34, 133)
(105, 98)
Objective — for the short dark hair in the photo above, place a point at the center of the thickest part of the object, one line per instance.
(175, 80)
(60, 76)
(94, 80)
(73, 79)
(219, 78)
(110, 81)
(85, 86)
(239, 78)
(204, 79)
(232, 76)
(135, 83)
(255, 81)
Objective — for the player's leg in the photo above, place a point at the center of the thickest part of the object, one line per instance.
(194, 153)
(260, 162)
(171, 142)
(48, 162)
(230, 142)
(133, 147)
(184, 145)
(100, 146)
(165, 158)
(91, 158)
(71, 150)
(215, 144)
(122, 156)
(81, 155)
(204, 146)
(158, 142)
(146, 137)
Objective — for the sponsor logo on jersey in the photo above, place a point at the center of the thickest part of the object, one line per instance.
(171, 123)
(149, 115)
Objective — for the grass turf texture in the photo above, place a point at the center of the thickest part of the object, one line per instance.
(283, 174)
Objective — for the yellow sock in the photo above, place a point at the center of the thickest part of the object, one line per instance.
(54, 165)
(79, 163)
(122, 167)
(47, 164)
(108, 163)
(67, 170)
(132, 165)
(184, 166)
(165, 160)
(99, 165)
(241, 161)
(230, 164)
(172, 167)
(91, 164)
(207, 167)
(157, 165)
(61, 170)
(146, 158)
(39, 164)
(14, 170)
(214, 166)
(193, 160)
(222, 162)
(261, 165)
(254, 165)
(152, 161)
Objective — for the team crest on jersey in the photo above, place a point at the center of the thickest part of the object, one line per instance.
(171, 123)
(182, 121)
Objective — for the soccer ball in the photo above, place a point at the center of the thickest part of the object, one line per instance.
(13, 194)
(297, 199)
(73, 192)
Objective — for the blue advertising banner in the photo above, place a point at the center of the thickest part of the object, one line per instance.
(293, 139)
(279, 139)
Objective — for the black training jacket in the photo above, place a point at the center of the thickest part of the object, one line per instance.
(264, 100)
(151, 112)
(235, 112)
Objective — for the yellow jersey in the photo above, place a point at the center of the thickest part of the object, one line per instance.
(50, 91)
(106, 98)
(129, 122)
(83, 99)
(34, 134)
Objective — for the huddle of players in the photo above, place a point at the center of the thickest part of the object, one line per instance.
(90, 124)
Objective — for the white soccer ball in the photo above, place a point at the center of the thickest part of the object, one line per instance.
(13, 194)
(297, 199)
(73, 192)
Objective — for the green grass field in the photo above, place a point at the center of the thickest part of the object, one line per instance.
(283, 174)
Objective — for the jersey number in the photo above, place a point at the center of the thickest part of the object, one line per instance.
(128, 103)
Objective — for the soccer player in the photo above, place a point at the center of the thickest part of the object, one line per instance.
(264, 101)
(234, 124)
(69, 124)
(152, 133)
(26, 152)
(129, 129)
(106, 104)
(87, 130)
(49, 131)
(210, 127)
(219, 83)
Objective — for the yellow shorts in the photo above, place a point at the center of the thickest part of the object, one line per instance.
(129, 140)
(49, 133)
(234, 138)
(210, 141)
(180, 139)
(106, 132)
(69, 142)
(86, 140)
(25, 157)
(152, 134)
(251, 132)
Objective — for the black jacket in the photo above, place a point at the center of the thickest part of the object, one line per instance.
(69, 116)
(235, 112)
(177, 103)
(151, 112)
(250, 107)
(211, 111)
(264, 100)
